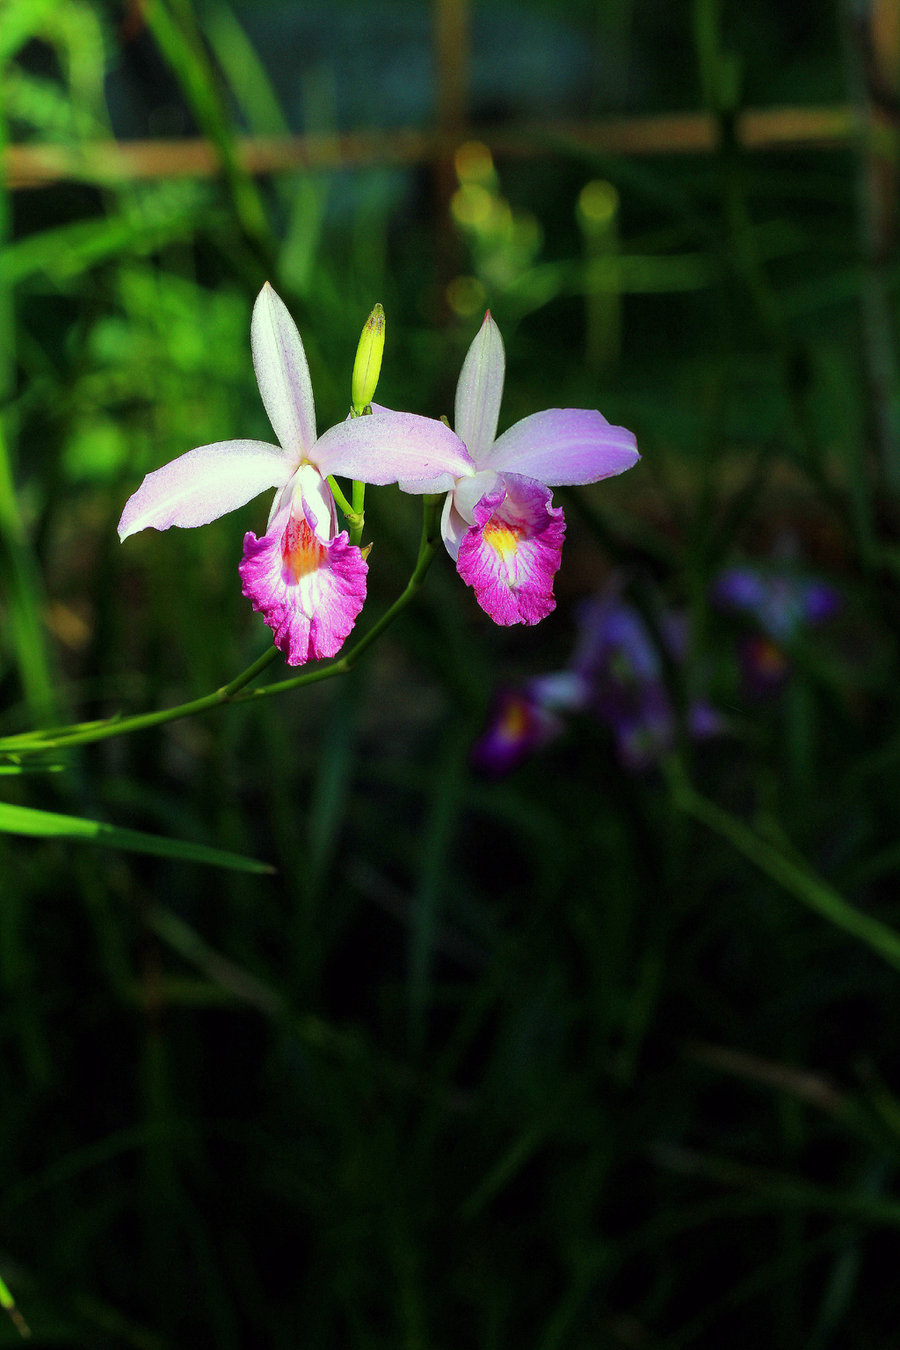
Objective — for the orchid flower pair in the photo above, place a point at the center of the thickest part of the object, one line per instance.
(304, 576)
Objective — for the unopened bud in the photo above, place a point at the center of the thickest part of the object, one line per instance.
(367, 366)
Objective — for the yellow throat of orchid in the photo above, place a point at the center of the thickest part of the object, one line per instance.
(301, 551)
(503, 537)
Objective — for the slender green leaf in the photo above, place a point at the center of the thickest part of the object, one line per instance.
(69, 250)
(30, 768)
(8, 1303)
(52, 825)
(796, 878)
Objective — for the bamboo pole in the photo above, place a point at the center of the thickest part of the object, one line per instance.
(110, 161)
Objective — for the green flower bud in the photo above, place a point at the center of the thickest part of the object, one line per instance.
(367, 366)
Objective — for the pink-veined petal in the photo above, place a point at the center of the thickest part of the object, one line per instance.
(479, 391)
(309, 590)
(204, 484)
(282, 374)
(511, 554)
(563, 446)
(420, 453)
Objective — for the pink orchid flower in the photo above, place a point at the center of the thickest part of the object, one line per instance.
(307, 580)
(499, 525)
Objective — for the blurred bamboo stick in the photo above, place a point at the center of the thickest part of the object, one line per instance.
(451, 51)
(874, 70)
(39, 165)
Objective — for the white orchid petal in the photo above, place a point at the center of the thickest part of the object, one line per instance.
(453, 528)
(563, 446)
(282, 374)
(469, 492)
(204, 484)
(480, 389)
(420, 453)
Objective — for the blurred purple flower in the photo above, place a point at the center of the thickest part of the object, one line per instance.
(523, 720)
(782, 605)
(616, 672)
(623, 664)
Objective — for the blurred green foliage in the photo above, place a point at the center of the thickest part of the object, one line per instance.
(577, 1059)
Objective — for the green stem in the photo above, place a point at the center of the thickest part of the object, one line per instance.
(345, 507)
(19, 571)
(235, 691)
(8, 1302)
(239, 681)
(359, 510)
(788, 872)
(177, 34)
(351, 515)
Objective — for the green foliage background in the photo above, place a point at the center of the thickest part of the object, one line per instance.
(369, 1051)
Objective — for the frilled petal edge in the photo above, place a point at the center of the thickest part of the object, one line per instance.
(204, 484)
(563, 446)
(511, 554)
(308, 590)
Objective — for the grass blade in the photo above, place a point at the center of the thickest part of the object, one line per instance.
(27, 820)
(795, 877)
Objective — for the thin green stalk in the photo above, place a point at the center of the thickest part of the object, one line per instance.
(87, 732)
(239, 681)
(178, 37)
(18, 568)
(235, 691)
(21, 575)
(353, 517)
(359, 510)
(9, 1304)
(797, 879)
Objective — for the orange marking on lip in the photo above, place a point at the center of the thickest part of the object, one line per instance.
(301, 551)
(502, 536)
